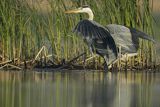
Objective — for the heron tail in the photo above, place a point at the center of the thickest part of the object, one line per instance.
(141, 34)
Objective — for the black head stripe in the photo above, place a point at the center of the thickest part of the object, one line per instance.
(85, 6)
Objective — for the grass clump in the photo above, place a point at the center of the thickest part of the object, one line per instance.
(27, 25)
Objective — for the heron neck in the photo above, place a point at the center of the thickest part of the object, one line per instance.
(90, 15)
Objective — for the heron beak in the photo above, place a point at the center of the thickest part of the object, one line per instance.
(72, 11)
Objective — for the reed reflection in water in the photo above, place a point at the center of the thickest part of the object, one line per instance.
(79, 89)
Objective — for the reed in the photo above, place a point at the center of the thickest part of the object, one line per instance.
(26, 26)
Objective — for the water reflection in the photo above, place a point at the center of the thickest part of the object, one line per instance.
(79, 89)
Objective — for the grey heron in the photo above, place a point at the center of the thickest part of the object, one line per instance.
(105, 40)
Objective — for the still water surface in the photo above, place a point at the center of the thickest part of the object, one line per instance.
(79, 89)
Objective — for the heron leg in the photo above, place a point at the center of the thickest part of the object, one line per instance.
(91, 50)
(105, 64)
(105, 67)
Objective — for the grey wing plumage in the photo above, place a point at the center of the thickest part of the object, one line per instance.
(94, 31)
(127, 38)
(123, 38)
(141, 34)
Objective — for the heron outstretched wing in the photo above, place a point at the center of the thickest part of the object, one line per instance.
(94, 31)
(123, 38)
(127, 38)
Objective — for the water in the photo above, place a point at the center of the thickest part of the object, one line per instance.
(79, 89)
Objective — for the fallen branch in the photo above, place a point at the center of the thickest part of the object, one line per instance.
(72, 60)
(9, 61)
(2, 63)
(13, 66)
(3, 66)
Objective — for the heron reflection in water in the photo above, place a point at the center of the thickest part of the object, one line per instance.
(108, 41)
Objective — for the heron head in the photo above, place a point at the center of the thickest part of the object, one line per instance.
(83, 9)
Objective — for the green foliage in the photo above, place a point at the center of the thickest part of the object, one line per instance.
(26, 26)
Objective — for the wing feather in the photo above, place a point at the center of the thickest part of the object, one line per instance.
(95, 31)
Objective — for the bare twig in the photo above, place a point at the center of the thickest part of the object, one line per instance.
(38, 54)
(93, 56)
